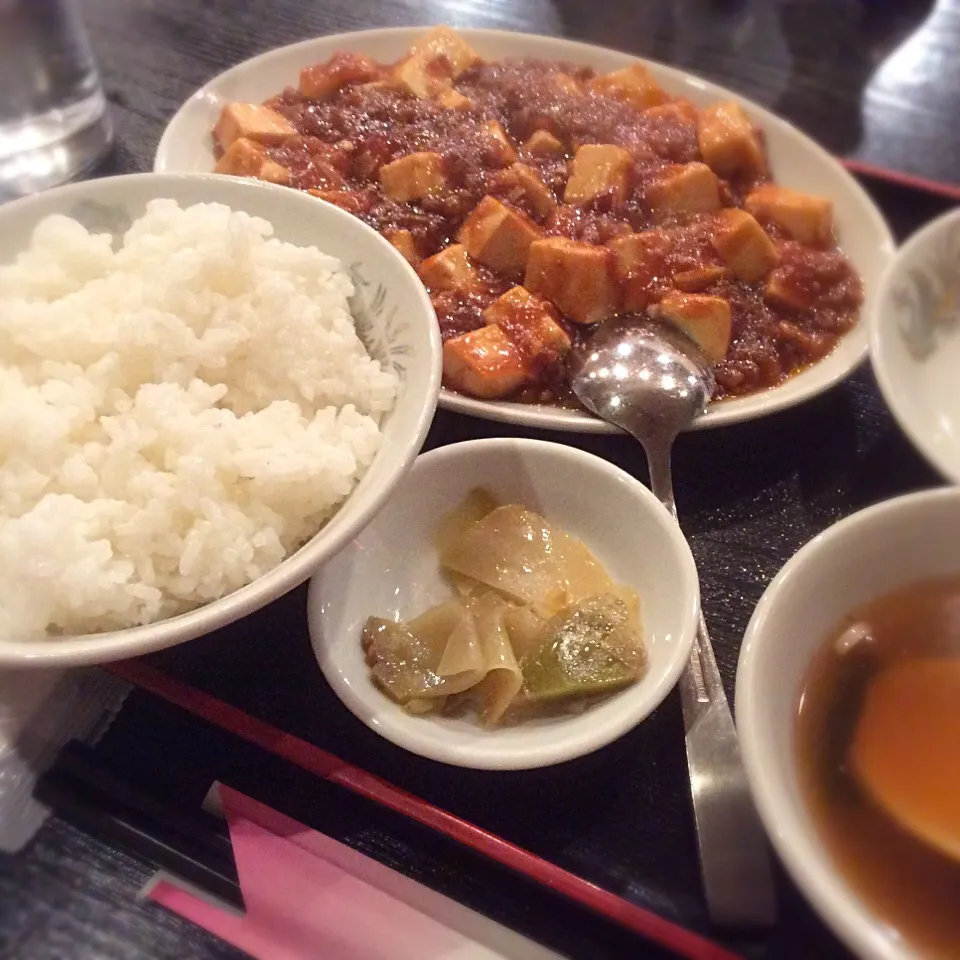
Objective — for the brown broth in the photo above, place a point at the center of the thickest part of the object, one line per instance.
(910, 886)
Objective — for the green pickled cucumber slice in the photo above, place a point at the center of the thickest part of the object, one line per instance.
(591, 647)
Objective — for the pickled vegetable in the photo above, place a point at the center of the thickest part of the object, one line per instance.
(401, 663)
(518, 553)
(593, 646)
(474, 506)
(535, 621)
(524, 625)
(503, 679)
(433, 656)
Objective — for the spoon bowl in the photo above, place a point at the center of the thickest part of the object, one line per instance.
(648, 378)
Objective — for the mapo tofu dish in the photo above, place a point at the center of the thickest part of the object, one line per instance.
(537, 199)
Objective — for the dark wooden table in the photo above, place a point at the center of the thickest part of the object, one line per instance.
(874, 80)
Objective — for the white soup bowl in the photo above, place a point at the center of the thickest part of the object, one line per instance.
(859, 558)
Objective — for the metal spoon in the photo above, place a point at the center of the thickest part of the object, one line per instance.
(652, 381)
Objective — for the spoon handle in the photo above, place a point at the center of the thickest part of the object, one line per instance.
(734, 857)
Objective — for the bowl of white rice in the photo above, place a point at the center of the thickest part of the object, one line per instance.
(208, 386)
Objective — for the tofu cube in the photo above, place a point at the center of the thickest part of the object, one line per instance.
(806, 218)
(403, 241)
(417, 75)
(250, 121)
(483, 363)
(501, 149)
(504, 307)
(577, 277)
(564, 83)
(684, 189)
(413, 177)
(274, 172)
(706, 320)
(680, 110)
(596, 170)
(522, 186)
(516, 301)
(444, 44)
(434, 61)
(244, 158)
(542, 143)
(450, 269)
(498, 236)
(349, 200)
(547, 334)
(632, 84)
(454, 100)
(743, 245)
(324, 79)
(531, 323)
(779, 291)
(388, 82)
(699, 278)
(728, 143)
(638, 259)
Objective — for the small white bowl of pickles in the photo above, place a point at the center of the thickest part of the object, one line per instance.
(516, 604)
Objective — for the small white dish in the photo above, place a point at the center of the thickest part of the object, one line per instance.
(915, 341)
(391, 570)
(862, 557)
(395, 319)
(796, 160)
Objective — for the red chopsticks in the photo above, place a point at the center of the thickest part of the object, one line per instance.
(682, 942)
(939, 188)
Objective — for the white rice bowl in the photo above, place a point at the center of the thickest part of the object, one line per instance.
(178, 413)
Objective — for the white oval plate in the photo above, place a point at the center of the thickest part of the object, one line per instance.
(915, 342)
(797, 162)
(391, 570)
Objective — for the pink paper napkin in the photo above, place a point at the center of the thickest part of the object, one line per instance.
(309, 896)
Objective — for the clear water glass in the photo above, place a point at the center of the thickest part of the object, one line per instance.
(54, 123)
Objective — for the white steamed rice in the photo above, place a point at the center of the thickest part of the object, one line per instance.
(176, 416)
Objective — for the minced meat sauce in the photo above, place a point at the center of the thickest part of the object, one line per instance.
(344, 141)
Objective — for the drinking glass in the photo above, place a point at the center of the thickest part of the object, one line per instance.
(53, 119)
